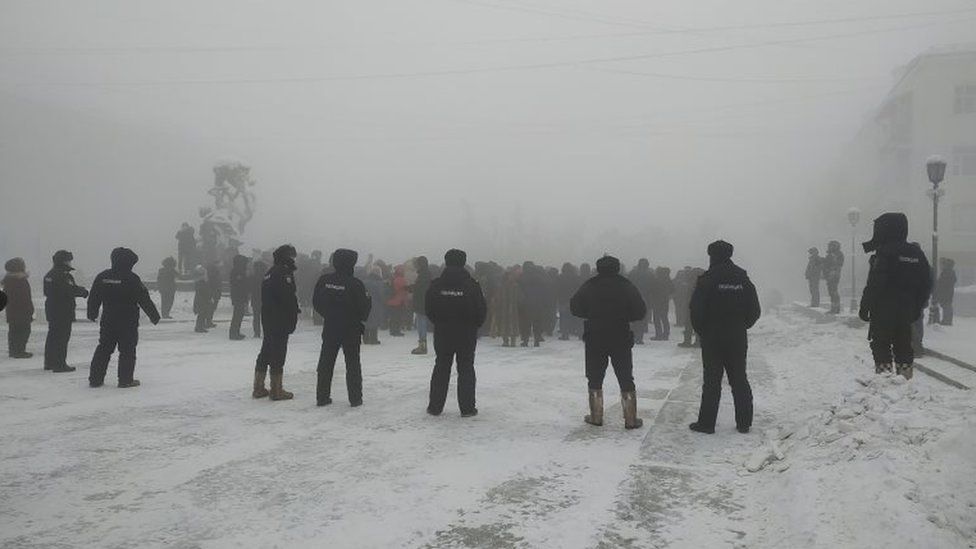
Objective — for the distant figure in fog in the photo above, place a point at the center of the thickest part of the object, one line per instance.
(898, 286)
(118, 293)
(608, 303)
(186, 247)
(567, 285)
(20, 308)
(397, 303)
(505, 307)
(202, 300)
(216, 291)
(642, 277)
(376, 287)
(279, 317)
(60, 292)
(456, 306)
(239, 295)
(532, 303)
(833, 263)
(724, 305)
(945, 290)
(684, 283)
(166, 284)
(813, 274)
(661, 303)
(419, 289)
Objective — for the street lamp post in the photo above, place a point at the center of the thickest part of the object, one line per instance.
(935, 166)
(853, 215)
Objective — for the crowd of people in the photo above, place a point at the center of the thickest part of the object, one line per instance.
(520, 304)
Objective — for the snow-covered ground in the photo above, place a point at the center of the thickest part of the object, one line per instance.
(838, 457)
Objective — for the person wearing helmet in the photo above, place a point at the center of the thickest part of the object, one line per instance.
(60, 292)
(279, 317)
(20, 308)
(118, 294)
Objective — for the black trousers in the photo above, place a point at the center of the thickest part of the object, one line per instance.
(452, 345)
(256, 317)
(891, 342)
(814, 292)
(237, 317)
(946, 319)
(17, 336)
(530, 324)
(125, 339)
(350, 344)
(662, 324)
(201, 324)
(166, 302)
(834, 294)
(56, 344)
(618, 350)
(725, 355)
(274, 348)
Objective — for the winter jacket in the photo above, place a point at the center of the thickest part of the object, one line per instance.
(166, 279)
(376, 288)
(814, 268)
(663, 288)
(341, 299)
(279, 302)
(20, 307)
(945, 287)
(505, 304)
(534, 291)
(568, 284)
(202, 300)
(186, 240)
(724, 303)
(608, 302)
(239, 282)
(400, 295)
(832, 263)
(118, 293)
(60, 291)
(455, 302)
(420, 287)
(900, 278)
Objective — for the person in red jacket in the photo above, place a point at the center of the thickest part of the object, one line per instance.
(397, 304)
(20, 308)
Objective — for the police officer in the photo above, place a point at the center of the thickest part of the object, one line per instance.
(279, 316)
(239, 295)
(897, 289)
(724, 305)
(344, 305)
(456, 305)
(119, 294)
(608, 303)
(60, 292)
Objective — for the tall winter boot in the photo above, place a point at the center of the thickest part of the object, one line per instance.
(421, 348)
(595, 417)
(277, 391)
(629, 402)
(259, 390)
(882, 367)
(904, 370)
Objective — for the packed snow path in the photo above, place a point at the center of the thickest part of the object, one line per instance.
(190, 460)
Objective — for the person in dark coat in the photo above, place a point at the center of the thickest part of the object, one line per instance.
(684, 284)
(945, 290)
(724, 305)
(344, 304)
(20, 308)
(186, 247)
(118, 294)
(279, 317)
(532, 303)
(898, 286)
(643, 279)
(239, 295)
(661, 303)
(419, 290)
(258, 269)
(456, 306)
(202, 300)
(60, 292)
(216, 291)
(608, 303)
(833, 263)
(166, 284)
(813, 275)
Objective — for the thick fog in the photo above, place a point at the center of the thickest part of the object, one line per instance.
(527, 129)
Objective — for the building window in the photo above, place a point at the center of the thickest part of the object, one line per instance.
(964, 218)
(966, 99)
(964, 161)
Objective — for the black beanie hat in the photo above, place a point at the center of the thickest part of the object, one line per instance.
(455, 258)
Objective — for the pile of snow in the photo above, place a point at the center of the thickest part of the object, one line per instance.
(890, 453)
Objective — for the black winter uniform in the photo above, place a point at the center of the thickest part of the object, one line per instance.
(239, 294)
(456, 306)
(279, 313)
(342, 301)
(608, 303)
(724, 305)
(118, 294)
(60, 291)
(897, 289)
